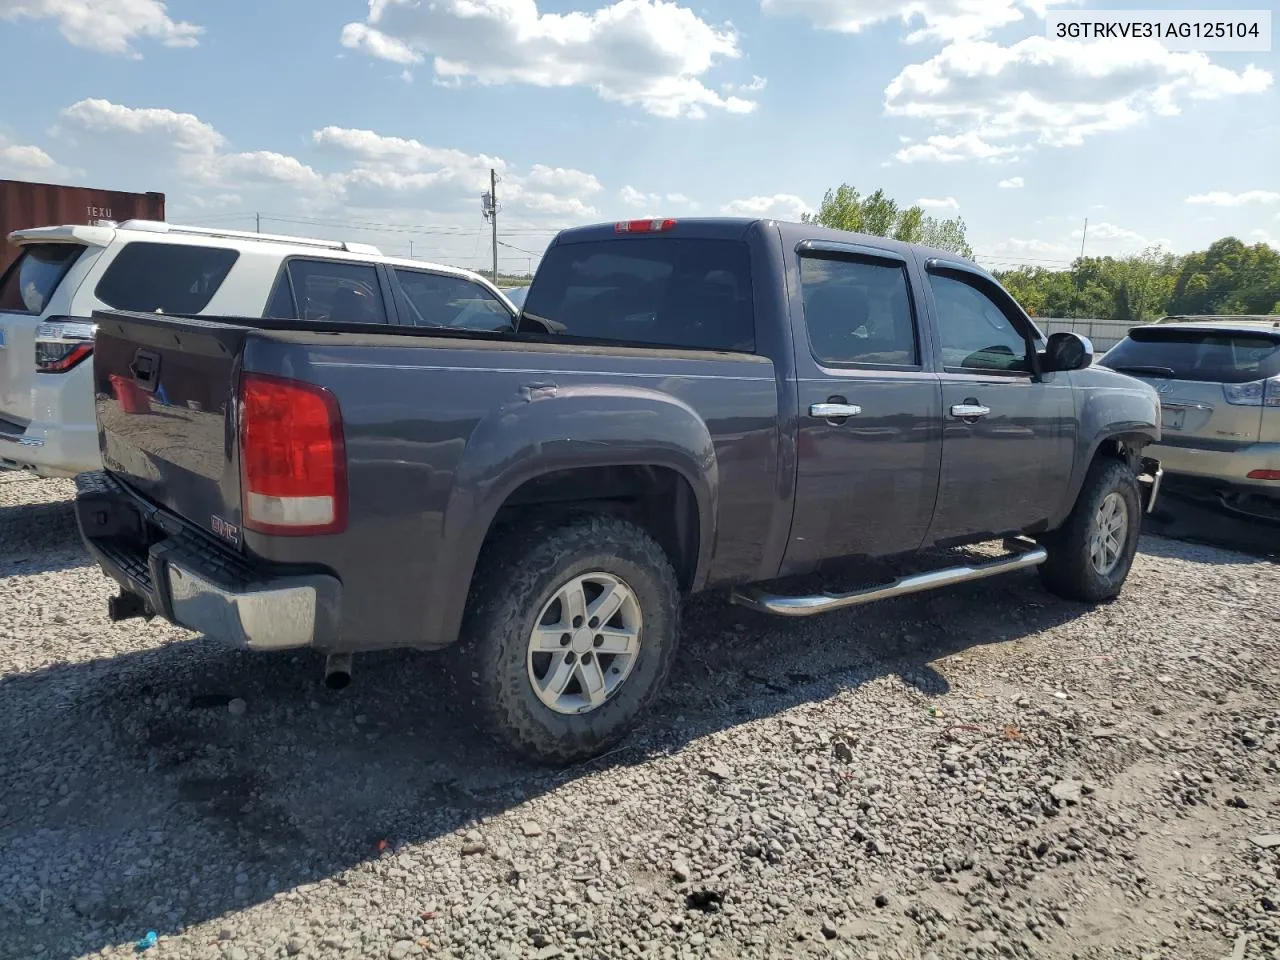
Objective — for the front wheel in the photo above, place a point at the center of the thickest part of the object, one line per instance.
(570, 634)
(1091, 553)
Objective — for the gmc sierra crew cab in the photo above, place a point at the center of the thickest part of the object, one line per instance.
(679, 406)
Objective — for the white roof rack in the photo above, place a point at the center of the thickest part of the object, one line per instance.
(159, 226)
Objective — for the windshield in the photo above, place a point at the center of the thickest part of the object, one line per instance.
(30, 283)
(1210, 356)
(659, 291)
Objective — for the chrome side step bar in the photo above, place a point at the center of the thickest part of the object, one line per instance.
(1023, 556)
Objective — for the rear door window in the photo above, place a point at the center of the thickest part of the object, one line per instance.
(858, 311)
(659, 291)
(165, 277)
(31, 280)
(456, 303)
(1210, 356)
(328, 291)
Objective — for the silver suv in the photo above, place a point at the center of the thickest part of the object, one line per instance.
(1219, 387)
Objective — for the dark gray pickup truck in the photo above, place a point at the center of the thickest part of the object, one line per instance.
(681, 406)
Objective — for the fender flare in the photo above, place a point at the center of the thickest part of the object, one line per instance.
(553, 428)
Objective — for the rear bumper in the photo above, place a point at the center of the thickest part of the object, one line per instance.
(1229, 466)
(50, 451)
(61, 439)
(171, 570)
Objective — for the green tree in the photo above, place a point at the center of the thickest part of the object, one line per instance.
(844, 208)
(1229, 277)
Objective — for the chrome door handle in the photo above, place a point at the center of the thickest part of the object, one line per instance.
(969, 411)
(833, 411)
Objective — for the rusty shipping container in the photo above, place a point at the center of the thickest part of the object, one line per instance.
(24, 204)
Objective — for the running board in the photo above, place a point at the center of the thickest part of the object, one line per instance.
(1023, 556)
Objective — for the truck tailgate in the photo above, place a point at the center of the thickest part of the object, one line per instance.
(164, 390)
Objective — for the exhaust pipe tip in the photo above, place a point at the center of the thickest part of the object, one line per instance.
(337, 671)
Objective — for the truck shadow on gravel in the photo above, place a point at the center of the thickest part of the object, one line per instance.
(139, 797)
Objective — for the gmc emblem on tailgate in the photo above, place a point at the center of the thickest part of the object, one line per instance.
(227, 531)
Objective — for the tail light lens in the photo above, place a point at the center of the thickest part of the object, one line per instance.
(1257, 393)
(293, 462)
(644, 226)
(1264, 475)
(62, 343)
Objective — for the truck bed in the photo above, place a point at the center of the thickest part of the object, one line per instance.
(435, 424)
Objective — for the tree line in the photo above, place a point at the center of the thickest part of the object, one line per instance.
(1230, 277)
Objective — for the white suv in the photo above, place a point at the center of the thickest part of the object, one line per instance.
(63, 274)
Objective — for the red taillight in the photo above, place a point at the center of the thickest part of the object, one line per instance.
(1264, 475)
(293, 463)
(643, 226)
(63, 343)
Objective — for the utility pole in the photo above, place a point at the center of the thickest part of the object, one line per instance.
(1079, 263)
(493, 192)
(489, 205)
(410, 249)
(257, 220)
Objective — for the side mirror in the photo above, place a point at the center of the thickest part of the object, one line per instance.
(1067, 351)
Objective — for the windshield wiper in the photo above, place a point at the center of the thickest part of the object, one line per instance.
(1150, 371)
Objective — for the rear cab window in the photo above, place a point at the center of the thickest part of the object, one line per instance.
(172, 278)
(31, 280)
(1207, 356)
(681, 293)
(327, 291)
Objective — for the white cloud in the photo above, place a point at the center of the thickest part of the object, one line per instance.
(942, 148)
(258, 167)
(1057, 92)
(947, 203)
(1221, 198)
(380, 166)
(1262, 236)
(217, 202)
(1109, 233)
(109, 26)
(943, 19)
(166, 128)
(780, 206)
(193, 145)
(1013, 183)
(633, 197)
(648, 53)
(18, 160)
(757, 84)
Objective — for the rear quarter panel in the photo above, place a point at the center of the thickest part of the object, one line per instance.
(439, 432)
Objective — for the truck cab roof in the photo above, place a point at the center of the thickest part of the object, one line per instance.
(731, 228)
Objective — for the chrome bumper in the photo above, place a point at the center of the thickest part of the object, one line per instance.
(280, 616)
(189, 579)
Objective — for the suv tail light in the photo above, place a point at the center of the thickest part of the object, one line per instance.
(1256, 393)
(62, 343)
(293, 462)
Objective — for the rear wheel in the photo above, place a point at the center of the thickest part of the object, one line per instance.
(570, 634)
(1091, 554)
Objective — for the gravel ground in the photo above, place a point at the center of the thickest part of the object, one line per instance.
(985, 772)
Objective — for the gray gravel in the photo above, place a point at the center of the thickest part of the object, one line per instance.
(986, 772)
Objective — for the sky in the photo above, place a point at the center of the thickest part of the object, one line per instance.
(380, 120)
